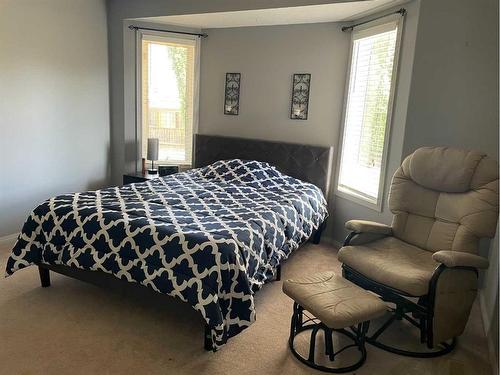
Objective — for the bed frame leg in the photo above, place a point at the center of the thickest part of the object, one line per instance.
(278, 273)
(207, 339)
(317, 235)
(44, 276)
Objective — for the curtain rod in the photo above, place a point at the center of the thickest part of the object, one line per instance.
(132, 27)
(401, 11)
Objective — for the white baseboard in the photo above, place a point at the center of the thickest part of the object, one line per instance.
(10, 238)
(486, 325)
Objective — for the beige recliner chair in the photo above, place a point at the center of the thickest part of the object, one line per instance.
(426, 263)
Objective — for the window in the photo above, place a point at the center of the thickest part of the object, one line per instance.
(167, 93)
(367, 114)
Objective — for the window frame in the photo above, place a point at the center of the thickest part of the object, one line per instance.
(371, 28)
(173, 38)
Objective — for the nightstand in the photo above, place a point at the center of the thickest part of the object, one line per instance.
(131, 178)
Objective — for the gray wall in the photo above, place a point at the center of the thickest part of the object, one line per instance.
(454, 94)
(267, 57)
(54, 123)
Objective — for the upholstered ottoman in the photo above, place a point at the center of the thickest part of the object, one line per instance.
(338, 306)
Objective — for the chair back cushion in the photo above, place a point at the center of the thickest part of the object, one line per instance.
(445, 199)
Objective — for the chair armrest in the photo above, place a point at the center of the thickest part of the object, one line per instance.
(363, 226)
(460, 259)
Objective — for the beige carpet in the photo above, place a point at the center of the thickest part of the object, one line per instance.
(77, 328)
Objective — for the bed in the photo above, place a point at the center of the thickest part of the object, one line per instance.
(211, 236)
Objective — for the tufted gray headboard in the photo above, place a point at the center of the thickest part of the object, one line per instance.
(308, 163)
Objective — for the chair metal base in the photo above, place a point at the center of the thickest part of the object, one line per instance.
(298, 325)
(399, 314)
(419, 315)
(44, 276)
(446, 348)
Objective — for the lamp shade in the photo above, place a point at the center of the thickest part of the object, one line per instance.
(153, 145)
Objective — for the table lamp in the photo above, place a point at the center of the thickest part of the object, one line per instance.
(153, 145)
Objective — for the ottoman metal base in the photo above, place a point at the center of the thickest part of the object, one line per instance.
(298, 325)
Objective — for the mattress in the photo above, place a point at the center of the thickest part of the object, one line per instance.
(211, 236)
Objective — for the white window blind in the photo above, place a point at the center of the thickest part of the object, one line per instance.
(367, 111)
(167, 97)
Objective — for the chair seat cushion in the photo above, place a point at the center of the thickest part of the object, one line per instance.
(335, 301)
(392, 262)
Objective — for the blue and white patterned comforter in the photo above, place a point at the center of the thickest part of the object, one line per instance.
(211, 236)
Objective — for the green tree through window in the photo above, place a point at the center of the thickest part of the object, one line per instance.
(178, 57)
(377, 99)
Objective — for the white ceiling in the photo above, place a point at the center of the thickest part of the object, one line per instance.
(279, 16)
